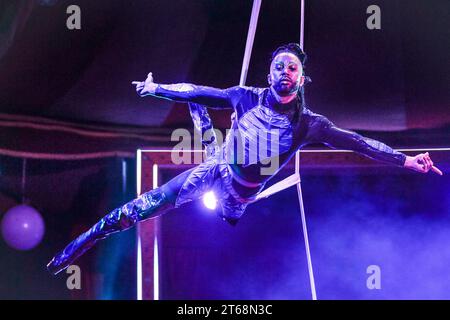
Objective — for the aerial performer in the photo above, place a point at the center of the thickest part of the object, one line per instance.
(269, 125)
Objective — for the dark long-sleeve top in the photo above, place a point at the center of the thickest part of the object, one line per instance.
(260, 122)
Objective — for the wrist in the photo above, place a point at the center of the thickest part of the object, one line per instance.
(151, 89)
(407, 163)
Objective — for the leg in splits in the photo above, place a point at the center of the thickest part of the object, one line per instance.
(185, 187)
(146, 206)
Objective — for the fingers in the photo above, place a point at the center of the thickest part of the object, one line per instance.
(436, 170)
(149, 77)
(428, 159)
(143, 87)
(419, 163)
(139, 86)
(425, 164)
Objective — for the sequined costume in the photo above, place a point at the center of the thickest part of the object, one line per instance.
(237, 170)
(259, 120)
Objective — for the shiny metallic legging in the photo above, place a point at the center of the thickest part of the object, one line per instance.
(173, 186)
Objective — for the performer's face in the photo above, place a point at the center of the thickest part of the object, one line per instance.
(286, 74)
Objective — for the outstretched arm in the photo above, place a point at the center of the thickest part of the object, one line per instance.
(324, 131)
(184, 92)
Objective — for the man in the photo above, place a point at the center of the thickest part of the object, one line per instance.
(277, 115)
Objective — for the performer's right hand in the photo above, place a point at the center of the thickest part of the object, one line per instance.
(145, 88)
(421, 163)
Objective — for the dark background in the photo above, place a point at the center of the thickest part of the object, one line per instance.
(383, 216)
(67, 94)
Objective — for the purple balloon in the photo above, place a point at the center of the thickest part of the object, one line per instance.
(22, 227)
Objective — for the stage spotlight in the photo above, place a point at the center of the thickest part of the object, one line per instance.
(210, 200)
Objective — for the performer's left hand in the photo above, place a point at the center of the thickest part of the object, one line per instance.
(421, 163)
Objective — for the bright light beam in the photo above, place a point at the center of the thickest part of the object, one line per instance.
(210, 200)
